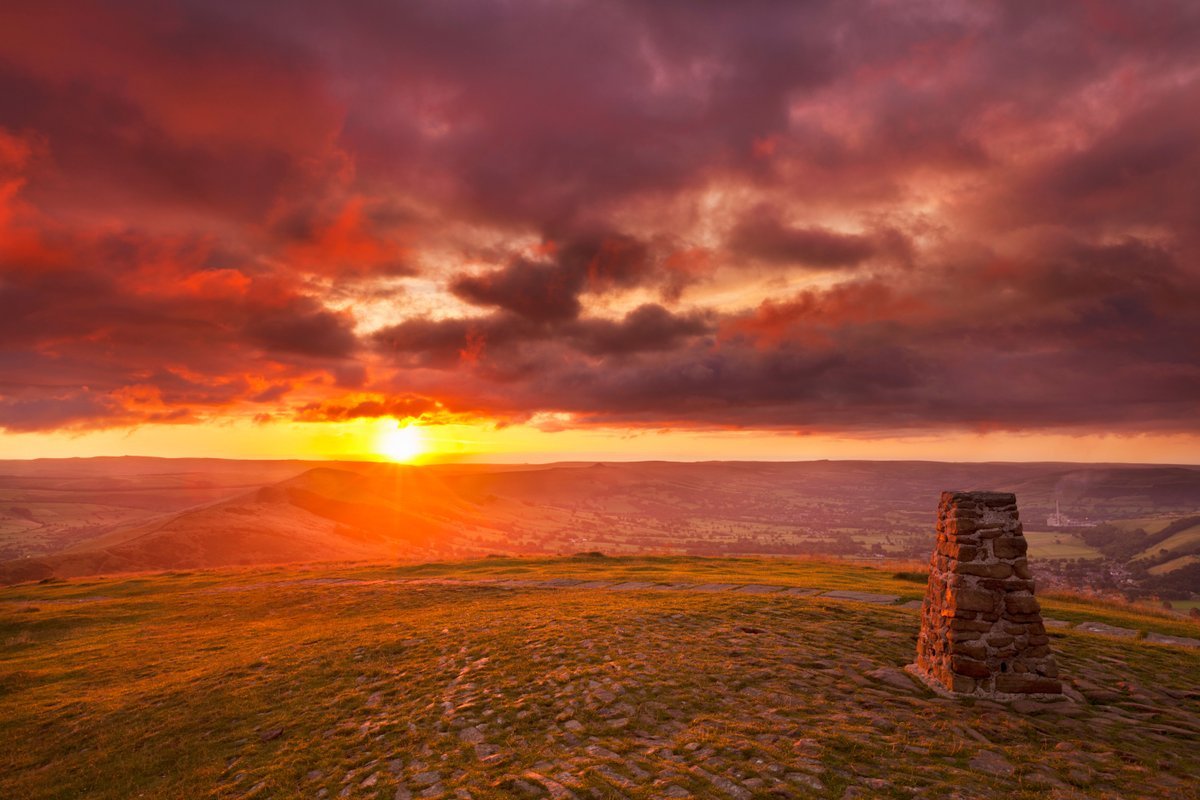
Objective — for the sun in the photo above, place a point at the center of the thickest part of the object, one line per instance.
(401, 443)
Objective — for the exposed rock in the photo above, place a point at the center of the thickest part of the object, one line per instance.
(1181, 641)
(991, 762)
(1106, 630)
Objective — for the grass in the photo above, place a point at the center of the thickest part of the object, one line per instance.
(283, 682)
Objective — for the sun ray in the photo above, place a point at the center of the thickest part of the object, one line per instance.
(401, 443)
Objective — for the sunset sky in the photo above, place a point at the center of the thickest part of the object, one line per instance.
(557, 230)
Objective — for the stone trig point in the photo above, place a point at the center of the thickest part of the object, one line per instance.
(981, 627)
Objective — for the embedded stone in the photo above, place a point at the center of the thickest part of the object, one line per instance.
(956, 550)
(1009, 547)
(1022, 604)
(961, 527)
(982, 570)
(973, 600)
(970, 649)
(969, 666)
(957, 624)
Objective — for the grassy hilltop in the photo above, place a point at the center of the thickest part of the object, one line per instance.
(436, 681)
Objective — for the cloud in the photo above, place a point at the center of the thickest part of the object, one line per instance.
(687, 214)
(549, 290)
(501, 340)
(763, 236)
(303, 327)
(648, 327)
(401, 407)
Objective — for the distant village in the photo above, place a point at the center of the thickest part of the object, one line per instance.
(1060, 520)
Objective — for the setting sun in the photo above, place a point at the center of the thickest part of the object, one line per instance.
(401, 443)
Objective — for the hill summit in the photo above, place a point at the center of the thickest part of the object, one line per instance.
(593, 677)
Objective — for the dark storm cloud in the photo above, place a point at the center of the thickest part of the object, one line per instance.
(762, 235)
(646, 328)
(545, 291)
(303, 326)
(206, 206)
(498, 341)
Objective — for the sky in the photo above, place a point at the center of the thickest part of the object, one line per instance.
(565, 229)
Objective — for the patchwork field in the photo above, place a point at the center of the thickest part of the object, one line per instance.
(474, 679)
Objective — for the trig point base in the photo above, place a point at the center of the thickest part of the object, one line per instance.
(981, 627)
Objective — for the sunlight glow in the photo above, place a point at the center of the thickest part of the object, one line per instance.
(401, 443)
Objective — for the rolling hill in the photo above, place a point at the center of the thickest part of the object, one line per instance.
(324, 514)
(158, 514)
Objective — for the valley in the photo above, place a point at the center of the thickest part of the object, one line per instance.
(107, 516)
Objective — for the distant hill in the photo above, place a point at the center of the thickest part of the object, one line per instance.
(92, 516)
(324, 514)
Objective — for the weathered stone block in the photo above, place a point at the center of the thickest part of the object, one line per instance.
(973, 600)
(957, 624)
(968, 666)
(956, 550)
(1022, 604)
(961, 528)
(1009, 547)
(982, 570)
(970, 649)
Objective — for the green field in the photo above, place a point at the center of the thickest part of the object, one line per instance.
(1150, 525)
(1188, 538)
(345, 682)
(1055, 544)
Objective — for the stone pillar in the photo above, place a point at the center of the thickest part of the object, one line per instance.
(981, 627)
